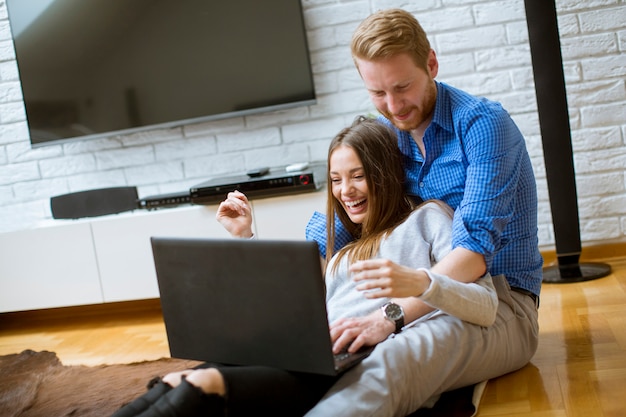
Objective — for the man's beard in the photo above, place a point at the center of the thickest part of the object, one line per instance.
(421, 114)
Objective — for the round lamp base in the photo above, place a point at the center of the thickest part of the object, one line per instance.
(575, 273)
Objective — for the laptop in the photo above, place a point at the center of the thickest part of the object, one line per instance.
(247, 302)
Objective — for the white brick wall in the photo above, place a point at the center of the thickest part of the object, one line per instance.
(482, 46)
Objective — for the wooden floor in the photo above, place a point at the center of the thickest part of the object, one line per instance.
(578, 370)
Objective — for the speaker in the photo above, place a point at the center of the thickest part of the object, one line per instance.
(545, 50)
(92, 203)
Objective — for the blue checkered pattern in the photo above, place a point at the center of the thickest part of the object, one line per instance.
(476, 161)
(316, 231)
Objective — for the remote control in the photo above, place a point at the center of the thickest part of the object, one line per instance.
(258, 172)
(297, 167)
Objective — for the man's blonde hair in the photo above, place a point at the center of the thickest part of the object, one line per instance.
(390, 32)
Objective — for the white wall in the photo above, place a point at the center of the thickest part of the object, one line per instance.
(482, 47)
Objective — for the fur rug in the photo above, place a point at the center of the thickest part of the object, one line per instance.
(37, 384)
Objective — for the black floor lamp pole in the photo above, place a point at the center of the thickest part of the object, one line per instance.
(545, 48)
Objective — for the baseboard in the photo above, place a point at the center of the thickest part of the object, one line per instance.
(83, 313)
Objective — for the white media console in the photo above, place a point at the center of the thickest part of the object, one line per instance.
(108, 259)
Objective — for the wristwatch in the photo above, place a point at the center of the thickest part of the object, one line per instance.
(395, 314)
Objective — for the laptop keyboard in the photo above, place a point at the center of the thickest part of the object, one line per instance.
(342, 356)
(345, 359)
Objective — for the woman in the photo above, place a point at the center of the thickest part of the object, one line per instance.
(365, 192)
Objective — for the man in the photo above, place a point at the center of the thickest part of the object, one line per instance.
(467, 152)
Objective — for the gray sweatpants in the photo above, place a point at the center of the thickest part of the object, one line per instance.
(439, 353)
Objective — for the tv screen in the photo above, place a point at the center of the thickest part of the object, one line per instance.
(92, 68)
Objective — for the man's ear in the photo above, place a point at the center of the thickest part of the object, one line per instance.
(432, 63)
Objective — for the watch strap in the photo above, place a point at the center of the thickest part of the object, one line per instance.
(399, 320)
(399, 324)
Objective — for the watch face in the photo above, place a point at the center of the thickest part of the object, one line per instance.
(393, 311)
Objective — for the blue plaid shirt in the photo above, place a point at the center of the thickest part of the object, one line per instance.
(476, 161)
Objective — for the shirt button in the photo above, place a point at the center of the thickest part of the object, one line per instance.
(421, 184)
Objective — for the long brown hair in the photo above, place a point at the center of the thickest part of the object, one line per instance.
(388, 206)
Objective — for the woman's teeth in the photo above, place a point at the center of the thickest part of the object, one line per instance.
(354, 203)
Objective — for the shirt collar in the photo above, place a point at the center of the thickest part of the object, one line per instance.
(441, 115)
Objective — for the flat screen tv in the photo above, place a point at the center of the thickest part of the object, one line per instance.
(94, 68)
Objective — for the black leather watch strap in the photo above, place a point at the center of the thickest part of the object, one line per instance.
(394, 313)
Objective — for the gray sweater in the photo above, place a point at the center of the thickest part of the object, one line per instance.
(420, 242)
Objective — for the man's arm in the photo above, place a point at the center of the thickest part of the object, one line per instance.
(381, 278)
(460, 264)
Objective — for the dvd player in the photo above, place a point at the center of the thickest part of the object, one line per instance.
(164, 200)
(269, 185)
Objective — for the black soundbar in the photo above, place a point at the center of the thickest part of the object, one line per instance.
(272, 184)
(93, 203)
